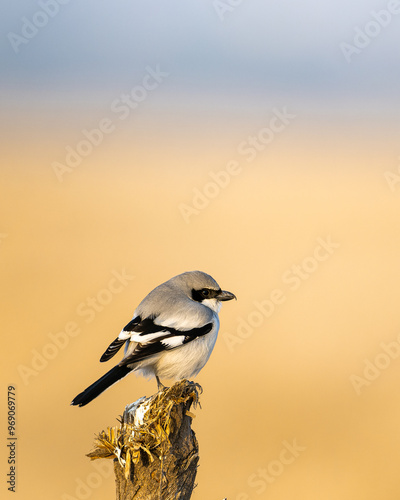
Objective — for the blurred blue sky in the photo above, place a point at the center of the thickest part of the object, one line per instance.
(259, 48)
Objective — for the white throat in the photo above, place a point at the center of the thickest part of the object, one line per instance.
(213, 304)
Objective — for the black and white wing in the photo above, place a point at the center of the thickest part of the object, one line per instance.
(151, 338)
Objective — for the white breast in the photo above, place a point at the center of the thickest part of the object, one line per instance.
(182, 362)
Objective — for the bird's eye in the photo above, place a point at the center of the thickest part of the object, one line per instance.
(205, 293)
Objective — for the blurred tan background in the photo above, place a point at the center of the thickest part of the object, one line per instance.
(301, 394)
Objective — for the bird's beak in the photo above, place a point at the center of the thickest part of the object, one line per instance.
(224, 295)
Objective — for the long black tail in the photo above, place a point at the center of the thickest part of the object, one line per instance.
(100, 385)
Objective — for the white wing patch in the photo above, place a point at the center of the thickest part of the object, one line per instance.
(147, 337)
(124, 335)
(173, 341)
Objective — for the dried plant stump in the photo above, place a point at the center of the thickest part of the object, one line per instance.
(154, 448)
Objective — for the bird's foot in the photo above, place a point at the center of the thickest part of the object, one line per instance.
(160, 386)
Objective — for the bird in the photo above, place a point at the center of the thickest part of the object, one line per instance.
(171, 335)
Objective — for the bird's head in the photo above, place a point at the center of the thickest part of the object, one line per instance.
(201, 287)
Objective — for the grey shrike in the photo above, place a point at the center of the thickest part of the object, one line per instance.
(171, 335)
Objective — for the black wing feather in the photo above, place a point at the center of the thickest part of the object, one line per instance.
(130, 327)
(116, 344)
(155, 346)
(112, 349)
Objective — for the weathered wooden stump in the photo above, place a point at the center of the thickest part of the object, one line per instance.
(154, 448)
